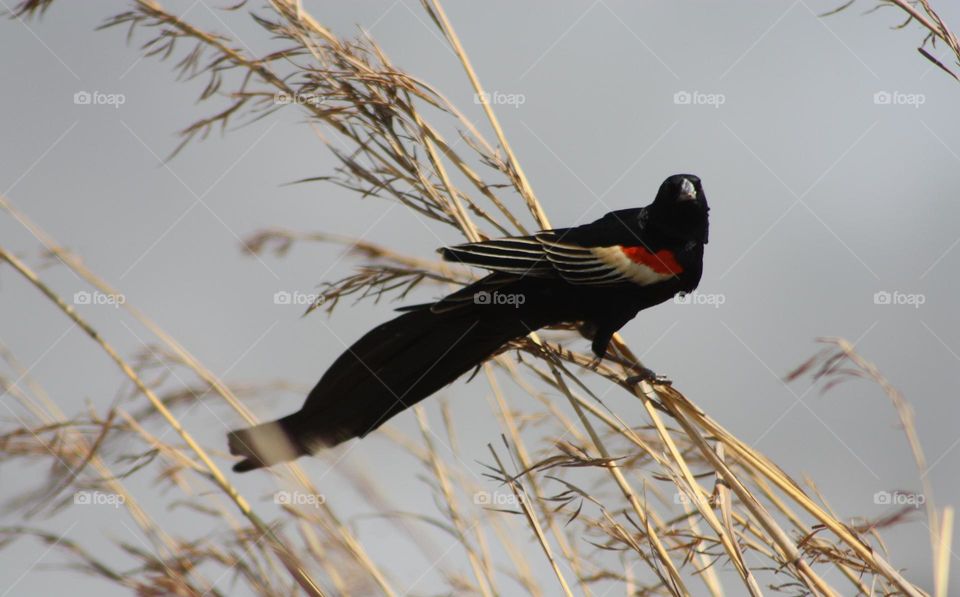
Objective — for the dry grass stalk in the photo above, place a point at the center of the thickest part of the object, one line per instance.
(921, 12)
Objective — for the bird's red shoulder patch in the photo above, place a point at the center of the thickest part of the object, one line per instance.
(662, 262)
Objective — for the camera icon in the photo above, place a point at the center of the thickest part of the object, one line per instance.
(281, 497)
(481, 498)
(882, 298)
(883, 498)
(82, 498)
(682, 98)
(882, 98)
(82, 98)
(282, 297)
(82, 298)
(481, 298)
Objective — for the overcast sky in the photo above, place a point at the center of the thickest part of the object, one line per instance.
(828, 148)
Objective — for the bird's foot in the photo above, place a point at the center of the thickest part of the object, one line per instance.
(594, 363)
(587, 329)
(649, 376)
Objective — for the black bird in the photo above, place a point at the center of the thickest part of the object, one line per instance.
(599, 274)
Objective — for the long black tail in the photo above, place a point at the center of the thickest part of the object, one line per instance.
(391, 368)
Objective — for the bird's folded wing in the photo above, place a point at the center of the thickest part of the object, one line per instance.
(577, 264)
(520, 255)
(550, 254)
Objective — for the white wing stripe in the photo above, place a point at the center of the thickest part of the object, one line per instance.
(505, 246)
(517, 240)
(484, 252)
(581, 253)
(560, 248)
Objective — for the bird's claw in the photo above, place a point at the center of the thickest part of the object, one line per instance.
(649, 376)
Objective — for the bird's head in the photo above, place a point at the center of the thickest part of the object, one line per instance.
(680, 209)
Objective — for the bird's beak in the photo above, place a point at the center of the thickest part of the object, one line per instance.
(688, 192)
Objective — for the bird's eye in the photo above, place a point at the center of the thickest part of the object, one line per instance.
(687, 190)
